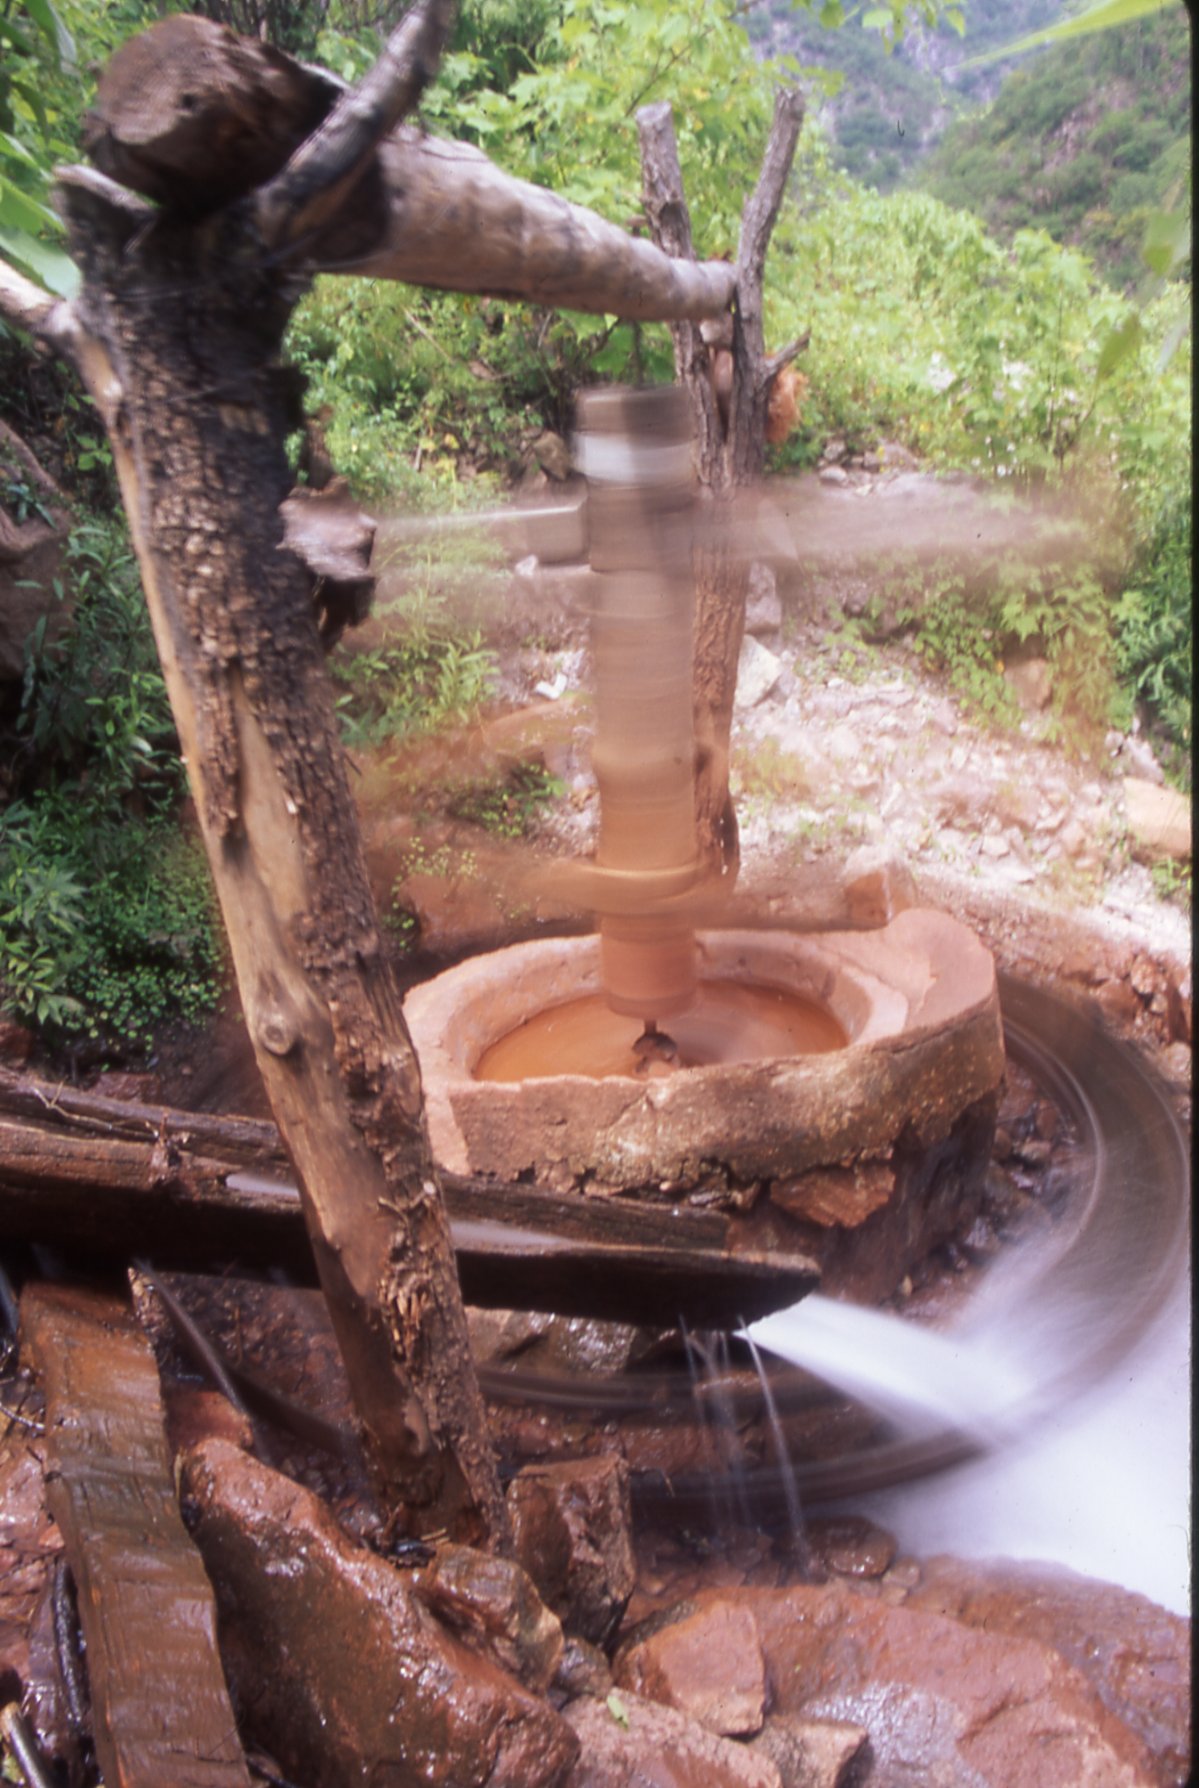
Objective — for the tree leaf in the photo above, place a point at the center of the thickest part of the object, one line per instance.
(1099, 17)
(1120, 343)
(617, 1709)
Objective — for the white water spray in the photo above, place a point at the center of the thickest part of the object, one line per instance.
(1095, 1480)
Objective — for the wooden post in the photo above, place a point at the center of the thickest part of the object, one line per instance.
(728, 376)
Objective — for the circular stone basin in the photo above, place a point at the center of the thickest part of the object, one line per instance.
(915, 1001)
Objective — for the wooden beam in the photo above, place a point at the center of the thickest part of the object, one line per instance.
(160, 1708)
(187, 1189)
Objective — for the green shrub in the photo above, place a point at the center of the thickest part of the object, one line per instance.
(107, 921)
(107, 925)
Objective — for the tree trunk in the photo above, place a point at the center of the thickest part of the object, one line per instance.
(181, 356)
(727, 374)
(177, 333)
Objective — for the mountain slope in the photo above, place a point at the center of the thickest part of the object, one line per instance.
(1085, 143)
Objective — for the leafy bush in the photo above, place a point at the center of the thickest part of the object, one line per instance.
(107, 921)
(1154, 642)
(94, 706)
(107, 925)
(508, 808)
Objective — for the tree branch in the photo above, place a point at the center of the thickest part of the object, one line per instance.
(670, 225)
(748, 403)
(774, 363)
(761, 211)
(454, 221)
(47, 318)
(325, 169)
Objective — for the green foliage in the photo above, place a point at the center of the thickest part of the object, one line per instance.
(1066, 614)
(1087, 143)
(48, 52)
(107, 924)
(567, 121)
(1154, 642)
(958, 637)
(508, 808)
(94, 707)
(409, 685)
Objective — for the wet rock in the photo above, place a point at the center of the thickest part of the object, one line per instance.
(833, 475)
(1176, 1065)
(758, 671)
(339, 1670)
(627, 1742)
(491, 1604)
(850, 1545)
(1031, 682)
(763, 607)
(583, 1670)
(571, 1524)
(708, 1664)
(815, 1753)
(944, 1704)
(1135, 1655)
(834, 451)
(1159, 820)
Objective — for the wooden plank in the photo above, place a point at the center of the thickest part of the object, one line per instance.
(160, 1707)
(126, 1180)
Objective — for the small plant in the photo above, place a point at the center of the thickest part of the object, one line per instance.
(956, 634)
(507, 809)
(1173, 882)
(107, 924)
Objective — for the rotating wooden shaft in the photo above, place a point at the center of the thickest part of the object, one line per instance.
(635, 449)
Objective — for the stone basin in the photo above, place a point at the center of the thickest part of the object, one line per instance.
(916, 999)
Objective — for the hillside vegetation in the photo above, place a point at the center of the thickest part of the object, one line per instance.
(984, 351)
(885, 108)
(1086, 142)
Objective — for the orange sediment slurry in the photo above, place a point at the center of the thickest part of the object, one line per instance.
(729, 1021)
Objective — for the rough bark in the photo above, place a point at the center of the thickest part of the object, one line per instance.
(196, 118)
(160, 1708)
(728, 376)
(176, 333)
(181, 356)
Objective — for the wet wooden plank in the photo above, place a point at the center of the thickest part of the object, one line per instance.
(161, 1711)
(190, 1189)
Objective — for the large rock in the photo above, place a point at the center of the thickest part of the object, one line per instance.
(758, 670)
(816, 1753)
(572, 1522)
(1136, 1655)
(492, 1605)
(1159, 820)
(626, 1742)
(763, 606)
(709, 1664)
(339, 1670)
(945, 1705)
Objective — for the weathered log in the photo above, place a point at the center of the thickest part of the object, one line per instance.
(454, 221)
(177, 334)
(160, 1708)
(519, 1247)
(194, 117)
